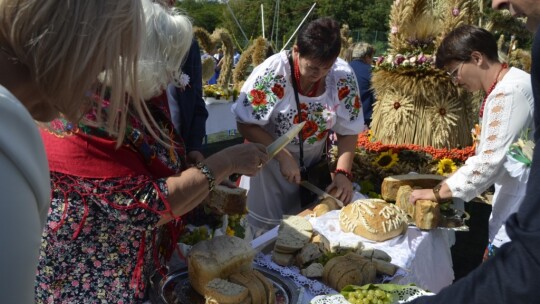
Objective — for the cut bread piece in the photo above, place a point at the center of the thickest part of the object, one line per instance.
(255, 288)
(427, 214)
(307, 254)
(224, 292)
(293, 233)
(268, 286)
(225, 200)
(314, 270)
(325, 205)
(391, 184)
(283, 259)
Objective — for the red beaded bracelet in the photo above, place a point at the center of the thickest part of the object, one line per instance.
(344, 172)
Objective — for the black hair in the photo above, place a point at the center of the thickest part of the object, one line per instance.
(320, 40)
(459, 44)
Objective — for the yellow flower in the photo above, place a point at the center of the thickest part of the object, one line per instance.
(446, 166)
(386, 160)
(230, 231)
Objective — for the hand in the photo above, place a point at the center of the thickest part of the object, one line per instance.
(342, 188)
(194, 157)
(289, 168)
(421, 194)
(246, 159)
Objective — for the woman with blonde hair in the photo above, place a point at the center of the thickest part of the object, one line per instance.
(51, 53)
(117, 202)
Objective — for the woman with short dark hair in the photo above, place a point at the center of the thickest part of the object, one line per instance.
(267, 108)
(469, 55)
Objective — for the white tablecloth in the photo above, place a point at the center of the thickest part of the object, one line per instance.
(424, 256)
(220, 118)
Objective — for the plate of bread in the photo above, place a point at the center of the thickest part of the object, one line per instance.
(221, 271)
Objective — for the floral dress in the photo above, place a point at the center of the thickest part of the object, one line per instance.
(267, 99)
(98, 245)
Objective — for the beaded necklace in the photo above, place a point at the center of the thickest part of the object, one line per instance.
(315, 87)
(491, 88)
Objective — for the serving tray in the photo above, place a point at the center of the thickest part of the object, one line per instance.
(176, 289)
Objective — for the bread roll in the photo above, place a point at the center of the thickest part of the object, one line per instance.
(225, 200)
(373, 219)
(220, 291)
(218, 258)
(325, 205)
(391, 184)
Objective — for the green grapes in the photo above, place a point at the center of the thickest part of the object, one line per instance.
(369, 296)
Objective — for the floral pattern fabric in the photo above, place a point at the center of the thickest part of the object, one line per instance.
(98, 245)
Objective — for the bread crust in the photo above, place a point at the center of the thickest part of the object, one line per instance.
(373, 219)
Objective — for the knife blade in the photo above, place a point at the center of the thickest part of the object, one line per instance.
(282, 141)
(311, 187)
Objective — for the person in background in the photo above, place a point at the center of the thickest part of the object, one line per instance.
(266, 109)
(117, 201)
(511, 276)
(470, 56)
(49, 59)
(361, 63)
(188, 110)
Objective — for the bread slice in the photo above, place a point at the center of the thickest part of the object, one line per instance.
(283, 259)
(314, 270)
(310, 252)
(254, 286)
(268, 287)
(224, 292)
(293, 233)
(225, 200)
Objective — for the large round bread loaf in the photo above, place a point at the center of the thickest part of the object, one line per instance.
(218, 257)
(373, 219)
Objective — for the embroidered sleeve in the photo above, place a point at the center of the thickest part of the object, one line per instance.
(350, 119)
(501, 127)
(262, 91)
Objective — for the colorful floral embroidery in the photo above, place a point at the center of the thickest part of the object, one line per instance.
(348, 95)
(315, 115)
(267, 91)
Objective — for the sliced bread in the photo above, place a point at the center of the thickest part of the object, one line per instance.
(224, 292)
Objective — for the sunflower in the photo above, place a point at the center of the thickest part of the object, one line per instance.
(446, 166)
(386, 160)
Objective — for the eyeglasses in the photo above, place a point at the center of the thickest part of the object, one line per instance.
(454, 74)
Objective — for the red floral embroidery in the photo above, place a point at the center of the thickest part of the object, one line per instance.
(259, 97)
(304, 118)
(343, 92)
(357, 103)
(278, 90)
(309, 129)
(322, 135)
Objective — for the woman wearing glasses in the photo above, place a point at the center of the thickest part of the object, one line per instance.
(470, 56)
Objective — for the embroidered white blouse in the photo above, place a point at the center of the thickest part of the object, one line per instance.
(508, 112)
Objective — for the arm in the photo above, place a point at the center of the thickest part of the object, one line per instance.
(190, 187)
(346, 149)
(288, 165)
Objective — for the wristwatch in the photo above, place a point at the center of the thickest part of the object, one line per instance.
(436, 190)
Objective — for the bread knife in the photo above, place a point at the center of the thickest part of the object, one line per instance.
(282, 141)
(311, 187)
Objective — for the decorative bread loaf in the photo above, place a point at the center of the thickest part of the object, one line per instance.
(391, 184)
(218, 257)
(220, 291)
(373, 219)
(225, 200)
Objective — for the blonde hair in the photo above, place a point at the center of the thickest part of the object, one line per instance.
(66, 44)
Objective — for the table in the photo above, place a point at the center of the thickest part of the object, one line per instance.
(424, 257)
